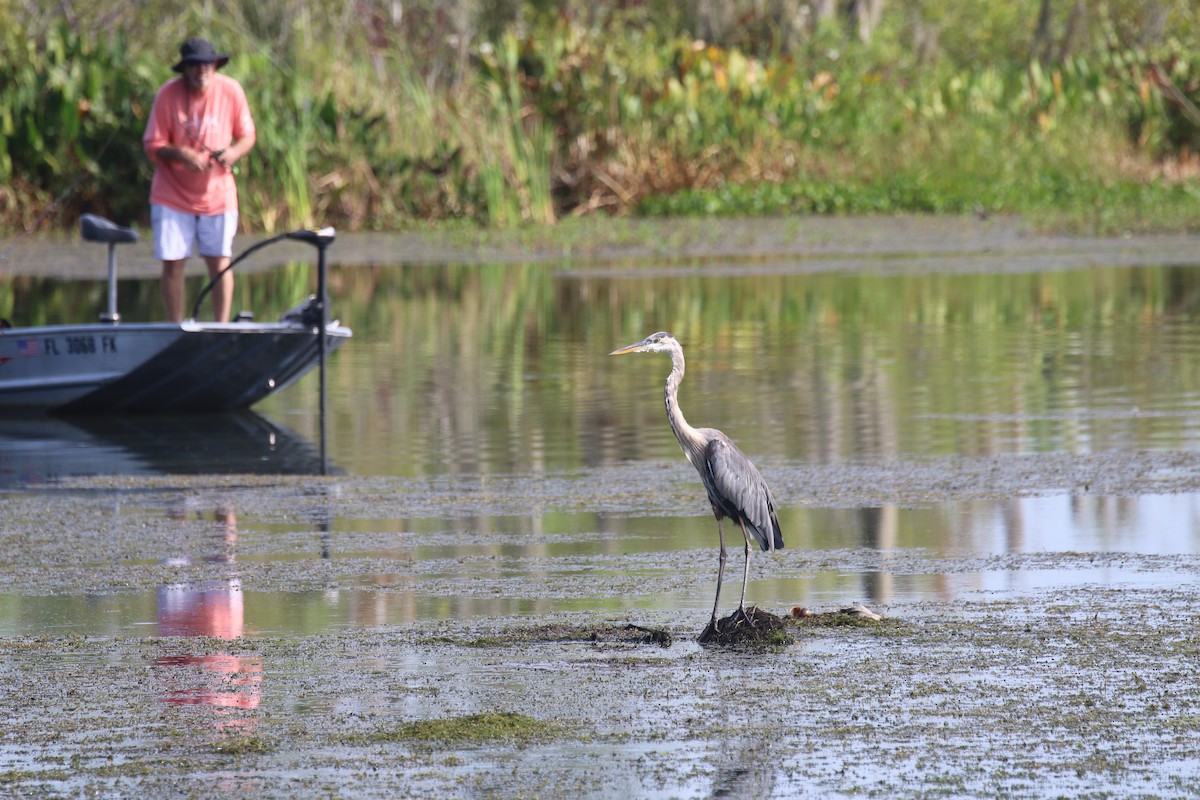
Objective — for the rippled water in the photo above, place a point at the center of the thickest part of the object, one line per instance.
(487, 373)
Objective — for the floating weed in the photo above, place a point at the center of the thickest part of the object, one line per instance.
(242, 745)
(482, 641)
(587, 634)
(13, 776)
(32, 643)
(472, 729)
(127, 769)
(802, 618)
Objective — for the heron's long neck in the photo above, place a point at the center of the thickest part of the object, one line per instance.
(687, 436)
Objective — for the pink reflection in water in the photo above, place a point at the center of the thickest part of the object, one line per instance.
(214, 609)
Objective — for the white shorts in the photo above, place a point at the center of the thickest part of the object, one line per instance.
(175, 231)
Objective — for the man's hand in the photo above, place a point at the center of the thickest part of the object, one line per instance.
(194, 160)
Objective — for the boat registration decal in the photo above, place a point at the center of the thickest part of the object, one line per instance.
(66, 345)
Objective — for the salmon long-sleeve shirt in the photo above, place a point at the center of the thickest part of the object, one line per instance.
(213, 120)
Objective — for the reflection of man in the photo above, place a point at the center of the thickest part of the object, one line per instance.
(199, 127)
(210, 608)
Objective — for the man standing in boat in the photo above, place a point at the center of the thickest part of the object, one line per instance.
(198, 129)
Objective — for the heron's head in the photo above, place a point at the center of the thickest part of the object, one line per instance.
(661, 342)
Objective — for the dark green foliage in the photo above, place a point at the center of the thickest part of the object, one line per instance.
(528, 111)
(71, 119)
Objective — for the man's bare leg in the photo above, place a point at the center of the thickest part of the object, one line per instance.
(222, 292)
(172, 289)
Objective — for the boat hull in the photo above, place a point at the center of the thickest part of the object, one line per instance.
(155, 367)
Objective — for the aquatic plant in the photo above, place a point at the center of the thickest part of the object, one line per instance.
(524, 113)
(470, 729)
(236, 745)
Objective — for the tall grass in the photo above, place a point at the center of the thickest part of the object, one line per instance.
(64, 111)
(522, 113)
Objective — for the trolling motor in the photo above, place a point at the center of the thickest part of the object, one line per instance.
(313, 312)
(98, 229)
(319, 239)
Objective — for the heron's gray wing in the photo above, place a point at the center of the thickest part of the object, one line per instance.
(736, 486)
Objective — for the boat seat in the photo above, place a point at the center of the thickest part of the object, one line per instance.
(98, 229)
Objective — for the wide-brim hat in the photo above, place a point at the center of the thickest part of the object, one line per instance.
(199, 50)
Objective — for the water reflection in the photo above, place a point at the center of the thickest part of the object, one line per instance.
(497, 369)
(393, 573)
(211, 609)
(485, 393)
(743, 772)
(879, 529)
(38, 449)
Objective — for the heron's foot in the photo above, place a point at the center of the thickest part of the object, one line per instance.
(720, 630)
(743, 617)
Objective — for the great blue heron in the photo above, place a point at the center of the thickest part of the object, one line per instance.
(736, 488)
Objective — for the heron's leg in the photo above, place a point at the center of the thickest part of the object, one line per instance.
(745, 572)
(720, 574)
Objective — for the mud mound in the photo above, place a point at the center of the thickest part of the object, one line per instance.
(754, 628)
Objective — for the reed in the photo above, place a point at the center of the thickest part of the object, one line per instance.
(511, 114)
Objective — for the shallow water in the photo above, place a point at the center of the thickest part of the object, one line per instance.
(1002, 458)
(491, 377)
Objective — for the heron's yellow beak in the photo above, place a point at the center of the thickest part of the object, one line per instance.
(629, 348)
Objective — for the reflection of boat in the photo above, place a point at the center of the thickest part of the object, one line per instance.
(115, 366)
(38, 448)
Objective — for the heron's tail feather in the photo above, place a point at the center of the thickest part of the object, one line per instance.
(772, 542)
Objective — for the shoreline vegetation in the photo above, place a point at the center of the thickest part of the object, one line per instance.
(378, 116)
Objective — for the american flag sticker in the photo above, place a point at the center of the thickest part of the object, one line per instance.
(29, 348)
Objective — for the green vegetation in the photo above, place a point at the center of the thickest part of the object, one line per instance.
(470, 729)
(13, 777)
(1076, 115)
(237, 745)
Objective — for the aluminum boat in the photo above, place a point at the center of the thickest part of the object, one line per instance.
(114, 366)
